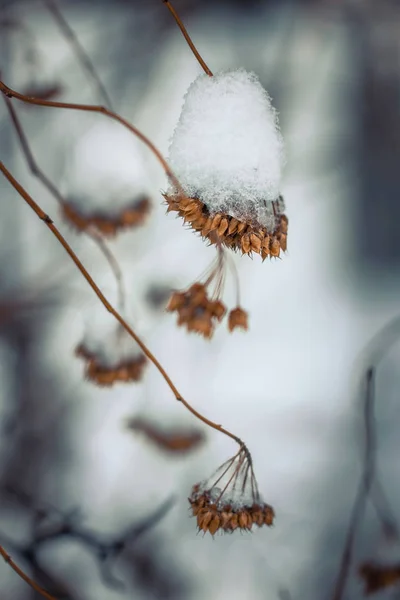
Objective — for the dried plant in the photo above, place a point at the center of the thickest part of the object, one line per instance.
(238, 504)
(378, 577)
(175, 441)
(232, 501)
(231, 209)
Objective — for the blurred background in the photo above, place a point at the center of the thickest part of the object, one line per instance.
(92, 510)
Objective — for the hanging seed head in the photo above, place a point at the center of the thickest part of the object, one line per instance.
(106, 375)
(227, 152)
(232, 501)
(110, 354)
(106, 224)
(105, 181)
(238, 318)
(196, 311)
(176, 440)
(377, 577)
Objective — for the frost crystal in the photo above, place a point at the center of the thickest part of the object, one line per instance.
(227, 149)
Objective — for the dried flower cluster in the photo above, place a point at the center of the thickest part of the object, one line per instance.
(196, 310)
(103, 374)
(237, 505)
(248, 236)
(107, 224)
(377, 577)
(199, 312)
(173, 441)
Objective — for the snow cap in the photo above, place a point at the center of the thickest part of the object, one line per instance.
(106, 172)
(227, 149)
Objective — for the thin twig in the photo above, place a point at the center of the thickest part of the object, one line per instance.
(23, 575)
(97, 109)
(364, 487)
(187, 37)
(37, 172)
(49, 223)
(80, 53)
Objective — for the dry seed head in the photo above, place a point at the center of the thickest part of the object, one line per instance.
(175, 441)
(247, 236)
(235, 175)
(238, 318)
(233, 505)
(106, 375)
(378, 577)
(196, 311)
(108, 225)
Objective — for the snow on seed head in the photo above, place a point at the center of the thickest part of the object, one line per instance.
(227, 149)
(109, 352)
(105, 180)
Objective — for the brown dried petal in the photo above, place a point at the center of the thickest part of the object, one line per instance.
(237, 318)
(233, 225)
(255, 243)
(223, 226)
(283, 241)
(218, 309)
(214, 525)
(176, 300)
(216, 221)
(274, 247)
(245, 243)
(176, 441)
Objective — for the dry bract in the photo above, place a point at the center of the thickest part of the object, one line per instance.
(196, 310)
(236, 505)
(174, 441)
(199, 309)
(108, 225)
(247, 236)
(238, 318)
(129, 369)
(378, 577)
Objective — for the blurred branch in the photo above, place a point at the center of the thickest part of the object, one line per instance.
(369, 488)
(66, 526)
(9, 93)
(54, 191)
(23, 575)
(79, 51)
(49, 223)
(187, 38)
(363, 489)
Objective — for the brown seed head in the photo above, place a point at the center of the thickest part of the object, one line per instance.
(108, 225)
(126, 371)
(238, 318)
(245, 235)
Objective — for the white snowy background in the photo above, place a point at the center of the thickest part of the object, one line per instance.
(290, 387)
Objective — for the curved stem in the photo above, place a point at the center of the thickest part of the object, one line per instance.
(23, 575)
(81, 55)
(37, 172)
(187, 38)
(235, 278)
(364, 487)
(97, 109)
(47, 220)
(114, 264)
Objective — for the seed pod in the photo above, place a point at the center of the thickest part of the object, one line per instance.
(274, 247)
(255, 243)
(214, 525)
(283, 241)
(233, 225)
(223, 226)
(245, 243)
(216, 221)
